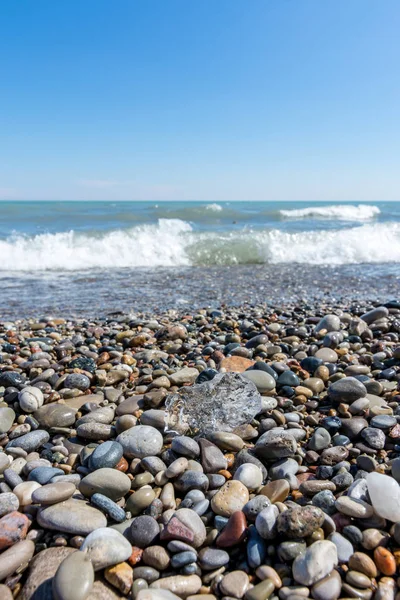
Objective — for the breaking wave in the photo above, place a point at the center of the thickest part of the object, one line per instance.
(344, 212)
(172, 243)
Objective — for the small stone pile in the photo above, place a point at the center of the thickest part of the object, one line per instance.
(248, 452)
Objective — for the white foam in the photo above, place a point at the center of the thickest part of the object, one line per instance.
(344, 212)
(214, 207)
(145, 245)
(172, 243)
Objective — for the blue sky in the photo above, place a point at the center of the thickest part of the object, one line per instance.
(200, 99)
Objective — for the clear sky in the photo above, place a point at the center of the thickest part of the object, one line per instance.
(200, 99)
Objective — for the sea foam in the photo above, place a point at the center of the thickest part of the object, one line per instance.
(343, 212)
(173, 243)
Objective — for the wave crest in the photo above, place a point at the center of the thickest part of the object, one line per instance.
(343, 212)
(173, 243)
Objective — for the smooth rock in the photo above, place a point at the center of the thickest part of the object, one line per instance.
(316, 563)
(73, 516)
(105, 547)
(109, 482)
(141, 441)
(74, 577)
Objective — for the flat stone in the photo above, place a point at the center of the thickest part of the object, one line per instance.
(73, 516)
(30, 441)
(106, 547)
(120, 576)
(185, 375)
(352, 507)
(347, 390)
(276, 444)
(326, 355)
(213, 558)
(181, 585)
(276, 491)
(156, 557)
(52, 493)
(141, 441)
(55, 415)
(328, 588)
(74, 577)
(106, 481)
(16, 556)
(235, 364)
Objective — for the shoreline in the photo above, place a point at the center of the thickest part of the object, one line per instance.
(233, 452)
(94, 294)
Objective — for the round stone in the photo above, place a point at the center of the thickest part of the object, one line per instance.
(30, 399)
(263, 381)
(106, 547)
(77, 381)
(141, 441)
(250, 475)
(107, 454)
(232, 496)
(326, 355)
(144, 531)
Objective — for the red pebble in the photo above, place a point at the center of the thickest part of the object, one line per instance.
(176, 530)
(13, 529)
(234, 531)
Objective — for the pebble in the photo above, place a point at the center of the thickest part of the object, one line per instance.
(385, 496)
(73, 516)
(232, 497)
(13, 528)
(19, 554)
(106, 481)
(141, 441)
(74, 577)
(9, 502)
(181, 585)
(316, 563)
(106, 547)
(144, 531)
(234, 584)
(52, 493)
(106, 455)
(250, 475)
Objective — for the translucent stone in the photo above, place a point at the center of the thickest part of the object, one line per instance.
(384, 492)
(221, 404)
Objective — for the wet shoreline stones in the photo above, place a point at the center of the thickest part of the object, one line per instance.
(246, 452)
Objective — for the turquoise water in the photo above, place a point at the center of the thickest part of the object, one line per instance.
(56, 236)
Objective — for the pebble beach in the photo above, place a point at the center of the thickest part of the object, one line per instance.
(241, 452)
